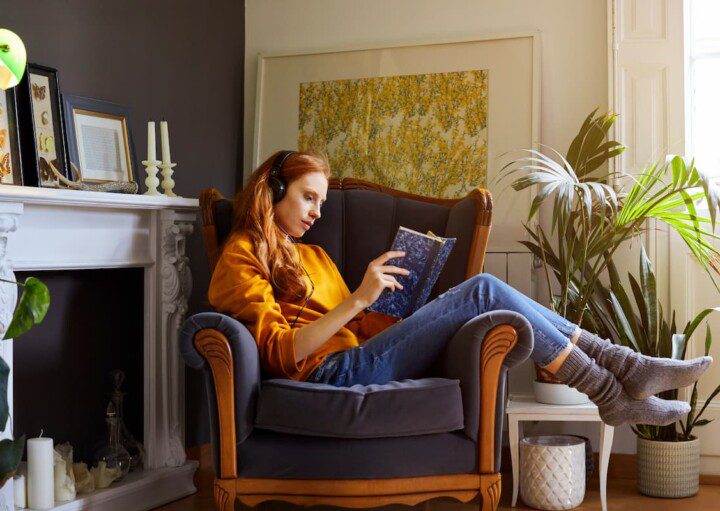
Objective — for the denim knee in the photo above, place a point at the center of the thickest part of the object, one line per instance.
(485, 280)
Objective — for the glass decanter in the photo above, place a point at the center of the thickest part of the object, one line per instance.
(114, 455)
(133, 447)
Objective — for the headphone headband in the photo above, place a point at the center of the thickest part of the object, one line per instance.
(279, 161)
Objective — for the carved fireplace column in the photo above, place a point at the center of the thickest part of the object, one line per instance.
(175, 287)
(9, 218)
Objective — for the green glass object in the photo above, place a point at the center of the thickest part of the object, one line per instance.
(12, 59)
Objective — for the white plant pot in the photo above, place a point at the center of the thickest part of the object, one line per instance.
(558, 394)
(668, 469)
(552, 471)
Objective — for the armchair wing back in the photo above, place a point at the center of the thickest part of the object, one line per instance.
(360, 219)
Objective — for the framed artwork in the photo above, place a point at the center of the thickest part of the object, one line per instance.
(99, 140)
(41, 126)
(433, 119)
(10, 166)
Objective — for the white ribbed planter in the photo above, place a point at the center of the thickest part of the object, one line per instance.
(668, 469)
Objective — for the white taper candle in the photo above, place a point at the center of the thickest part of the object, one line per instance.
(151, 140)
(165, 142)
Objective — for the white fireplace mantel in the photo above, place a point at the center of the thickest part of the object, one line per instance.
(49, 229)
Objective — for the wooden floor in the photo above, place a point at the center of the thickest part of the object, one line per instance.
(622, 496)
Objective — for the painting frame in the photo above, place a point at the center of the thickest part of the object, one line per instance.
(42, 127)
(89, 123)
(10, 139)
(513, 113)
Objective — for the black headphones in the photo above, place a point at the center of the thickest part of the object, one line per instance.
(277, 184)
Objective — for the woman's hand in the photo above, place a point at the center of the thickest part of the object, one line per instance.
(377, 277)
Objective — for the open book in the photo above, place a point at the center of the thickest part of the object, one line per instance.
(425, 256)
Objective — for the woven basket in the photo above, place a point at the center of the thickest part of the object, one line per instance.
(668, 469)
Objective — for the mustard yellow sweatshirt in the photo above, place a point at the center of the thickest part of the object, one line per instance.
(239, 287)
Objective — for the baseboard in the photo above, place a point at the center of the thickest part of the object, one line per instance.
(204, 476)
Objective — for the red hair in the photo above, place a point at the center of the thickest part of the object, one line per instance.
(255, 215)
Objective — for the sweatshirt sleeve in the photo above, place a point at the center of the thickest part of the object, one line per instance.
(239, 287)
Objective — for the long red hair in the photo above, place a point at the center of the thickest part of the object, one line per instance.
(255, 215)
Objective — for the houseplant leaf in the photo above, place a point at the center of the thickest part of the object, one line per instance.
(10, 455)
(31, 308)
(4, 407)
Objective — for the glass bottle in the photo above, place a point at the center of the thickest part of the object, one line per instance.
(114, 454)
(133, 447)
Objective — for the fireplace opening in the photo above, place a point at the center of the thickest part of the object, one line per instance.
(62, 380)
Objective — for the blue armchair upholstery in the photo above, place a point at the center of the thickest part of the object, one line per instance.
(458, 458)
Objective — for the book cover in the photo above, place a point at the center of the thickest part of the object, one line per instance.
(425, 256)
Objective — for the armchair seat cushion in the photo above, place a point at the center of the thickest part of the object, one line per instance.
(398, 408)
(266, 454)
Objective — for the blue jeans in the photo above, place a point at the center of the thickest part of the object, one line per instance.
(408, 348)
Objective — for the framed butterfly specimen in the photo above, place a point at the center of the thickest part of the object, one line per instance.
(10, 160)
(42, 126)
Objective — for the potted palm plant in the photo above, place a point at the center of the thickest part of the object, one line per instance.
(591, 219)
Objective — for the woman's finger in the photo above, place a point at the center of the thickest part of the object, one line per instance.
(389, 255)
(392, 283)
(394, 269)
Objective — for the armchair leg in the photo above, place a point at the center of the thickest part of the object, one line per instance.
(224, 491)
(490, 488)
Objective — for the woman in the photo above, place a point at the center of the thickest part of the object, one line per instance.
(309, 326)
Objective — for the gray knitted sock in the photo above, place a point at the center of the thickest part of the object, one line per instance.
(615, 406)
(641, 375)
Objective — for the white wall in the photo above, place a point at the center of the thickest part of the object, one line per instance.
(573, 41)
(574, 65)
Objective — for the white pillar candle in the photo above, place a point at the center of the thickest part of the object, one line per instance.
(20, 491)
(40, 481)
(165, 142)
(151, 141)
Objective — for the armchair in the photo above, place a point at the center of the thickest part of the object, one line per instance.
(257, 460)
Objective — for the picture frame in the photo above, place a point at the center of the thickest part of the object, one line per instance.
(512, 62)
(10, 156)
(42, 128)
(99, 140)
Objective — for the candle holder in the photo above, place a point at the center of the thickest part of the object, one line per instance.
(152, 182)
(167, 183)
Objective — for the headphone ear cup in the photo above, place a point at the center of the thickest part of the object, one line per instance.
(277, 186)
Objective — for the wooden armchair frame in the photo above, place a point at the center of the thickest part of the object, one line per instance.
(360, 493)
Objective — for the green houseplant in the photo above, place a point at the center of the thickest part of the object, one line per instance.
(668, 456)
(591, 221)
(30, 310)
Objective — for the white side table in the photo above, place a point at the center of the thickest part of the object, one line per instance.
(527, 409)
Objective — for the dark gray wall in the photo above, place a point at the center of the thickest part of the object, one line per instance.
(180, 60)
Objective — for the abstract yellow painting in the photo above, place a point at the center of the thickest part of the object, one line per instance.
(422, 133)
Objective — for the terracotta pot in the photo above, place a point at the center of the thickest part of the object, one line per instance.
(545, 376)
(668, 469)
